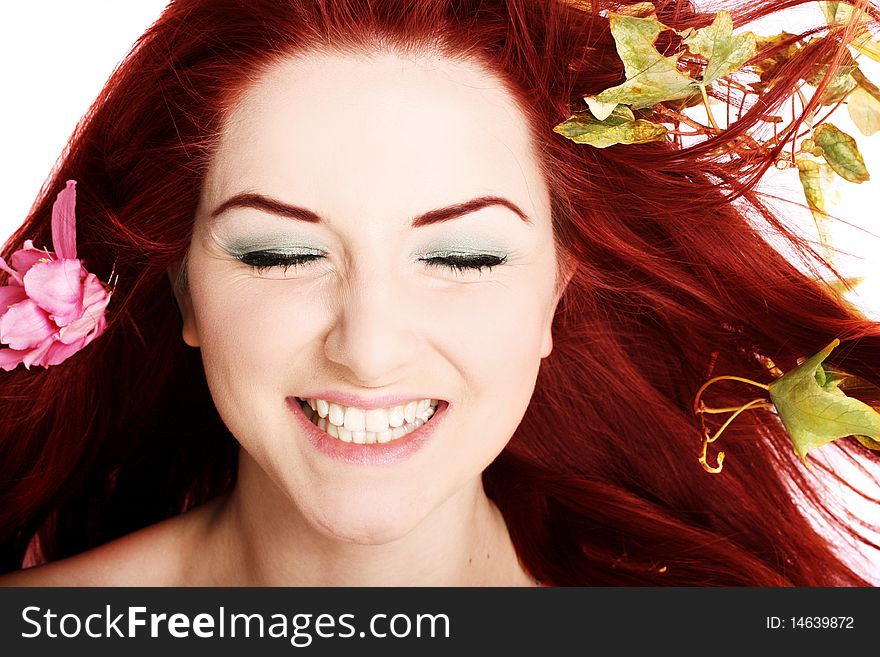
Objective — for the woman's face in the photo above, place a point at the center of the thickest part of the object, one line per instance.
(339, 255)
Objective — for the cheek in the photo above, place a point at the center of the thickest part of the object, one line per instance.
(495, 335)
(251, 331)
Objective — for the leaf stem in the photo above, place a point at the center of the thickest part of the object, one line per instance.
(729, 409)
(708, 109)
(740, 409)
(723, 378)
(760, 402)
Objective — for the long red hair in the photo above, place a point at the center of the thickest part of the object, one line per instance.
(600, 484)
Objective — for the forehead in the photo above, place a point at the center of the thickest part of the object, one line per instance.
(377, 132)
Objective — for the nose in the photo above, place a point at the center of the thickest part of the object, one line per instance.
(373, 336)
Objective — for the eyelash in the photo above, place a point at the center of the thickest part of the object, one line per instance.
(260, 261)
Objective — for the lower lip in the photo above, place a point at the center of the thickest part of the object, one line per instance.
(393, 451)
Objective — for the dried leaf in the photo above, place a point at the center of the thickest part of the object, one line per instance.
(839, 13)
(815, 413)
(640, 10)
(864, 110)
(724, 51)
(868, 442)
(598, 109)
(620, 127)
(836, 12)
(845, 285)
(817, 180)
(650, 77)
(840, 84)
(841, 153)
(767, 67)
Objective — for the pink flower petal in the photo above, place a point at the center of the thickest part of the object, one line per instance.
(91, 323)
(10, 295)
(56, 286)
(64, 222)
(35, 356)
(28, 256)
(11, 358)
(58, 352)
(25, 325)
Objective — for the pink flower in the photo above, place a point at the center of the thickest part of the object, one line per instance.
(51, 307)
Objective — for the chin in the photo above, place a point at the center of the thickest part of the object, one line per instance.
(366, 523)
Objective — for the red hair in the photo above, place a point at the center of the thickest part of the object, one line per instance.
(600, 483)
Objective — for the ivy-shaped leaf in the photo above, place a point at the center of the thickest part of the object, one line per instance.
(650, 77)
(841, 153)
(815, 414)
(620, 127)
(724, 51)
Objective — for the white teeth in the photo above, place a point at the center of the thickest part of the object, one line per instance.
(395, 417)
(354, 419)
(376, 419)
(336, 414)
(409, 411)
(378, 425)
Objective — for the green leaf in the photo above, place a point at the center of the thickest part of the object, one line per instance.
(840, 84)
(598, 109)
(864, 110)
(839, 13)
(836, 12)
(620, 127)
(724, 51)
(841, 153)
(650, 77)
(817, 179)
(815, 414)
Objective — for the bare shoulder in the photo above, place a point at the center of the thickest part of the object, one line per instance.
(158, 555)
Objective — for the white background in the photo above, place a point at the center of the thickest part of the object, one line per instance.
(56, 55)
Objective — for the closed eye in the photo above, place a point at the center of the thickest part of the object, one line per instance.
(458, 263)
(261, 261)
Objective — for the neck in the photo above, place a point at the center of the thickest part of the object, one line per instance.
(257, 537)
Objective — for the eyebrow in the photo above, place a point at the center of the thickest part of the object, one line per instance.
(276, 207)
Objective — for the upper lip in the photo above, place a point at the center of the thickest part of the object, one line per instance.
(366, 403)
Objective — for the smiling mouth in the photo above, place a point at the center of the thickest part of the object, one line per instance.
(354, 425)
